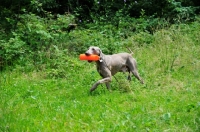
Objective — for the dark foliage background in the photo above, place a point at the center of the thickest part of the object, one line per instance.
(35, 30)
(89, 10)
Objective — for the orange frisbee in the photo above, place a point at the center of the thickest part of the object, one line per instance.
(89, 57)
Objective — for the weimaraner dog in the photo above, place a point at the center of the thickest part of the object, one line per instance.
(109, 65)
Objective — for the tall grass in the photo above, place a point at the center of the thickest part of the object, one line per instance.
(169, 100)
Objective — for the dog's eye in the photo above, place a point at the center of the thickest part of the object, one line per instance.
(92, 48)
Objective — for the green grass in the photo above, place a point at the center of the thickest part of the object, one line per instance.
(168, 101)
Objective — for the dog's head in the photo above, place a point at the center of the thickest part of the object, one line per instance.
(93, 50)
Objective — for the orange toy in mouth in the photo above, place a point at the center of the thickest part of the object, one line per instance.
(89, 57)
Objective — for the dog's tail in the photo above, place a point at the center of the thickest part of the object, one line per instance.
(130, 50)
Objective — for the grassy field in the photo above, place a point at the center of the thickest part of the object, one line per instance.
(169, 100)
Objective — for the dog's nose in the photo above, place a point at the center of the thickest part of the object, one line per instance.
(86, 53)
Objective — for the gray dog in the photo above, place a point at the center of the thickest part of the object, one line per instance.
(109, 65)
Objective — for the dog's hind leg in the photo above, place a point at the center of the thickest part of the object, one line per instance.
(136, 74)
(132, 67)
(129, 76)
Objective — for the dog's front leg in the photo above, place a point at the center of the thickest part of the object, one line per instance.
(108, 85)
(104, 80)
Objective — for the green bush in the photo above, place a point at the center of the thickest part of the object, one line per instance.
(60, 63)
(12, 49)
(108, 40)
(33, 38)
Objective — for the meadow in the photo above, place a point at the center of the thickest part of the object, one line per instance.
(169, 101)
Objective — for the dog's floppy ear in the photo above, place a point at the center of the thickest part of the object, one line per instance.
(100, 52)
(101, 55)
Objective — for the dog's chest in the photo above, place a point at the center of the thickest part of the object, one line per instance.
(104, 70)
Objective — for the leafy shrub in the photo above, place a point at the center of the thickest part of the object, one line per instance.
(105, 39)
(60, 63)
(179, 13)
(33, 38)
(12, 49)
(139, 39)
(33, 30)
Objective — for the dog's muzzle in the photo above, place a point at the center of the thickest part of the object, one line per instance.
(87, 54)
